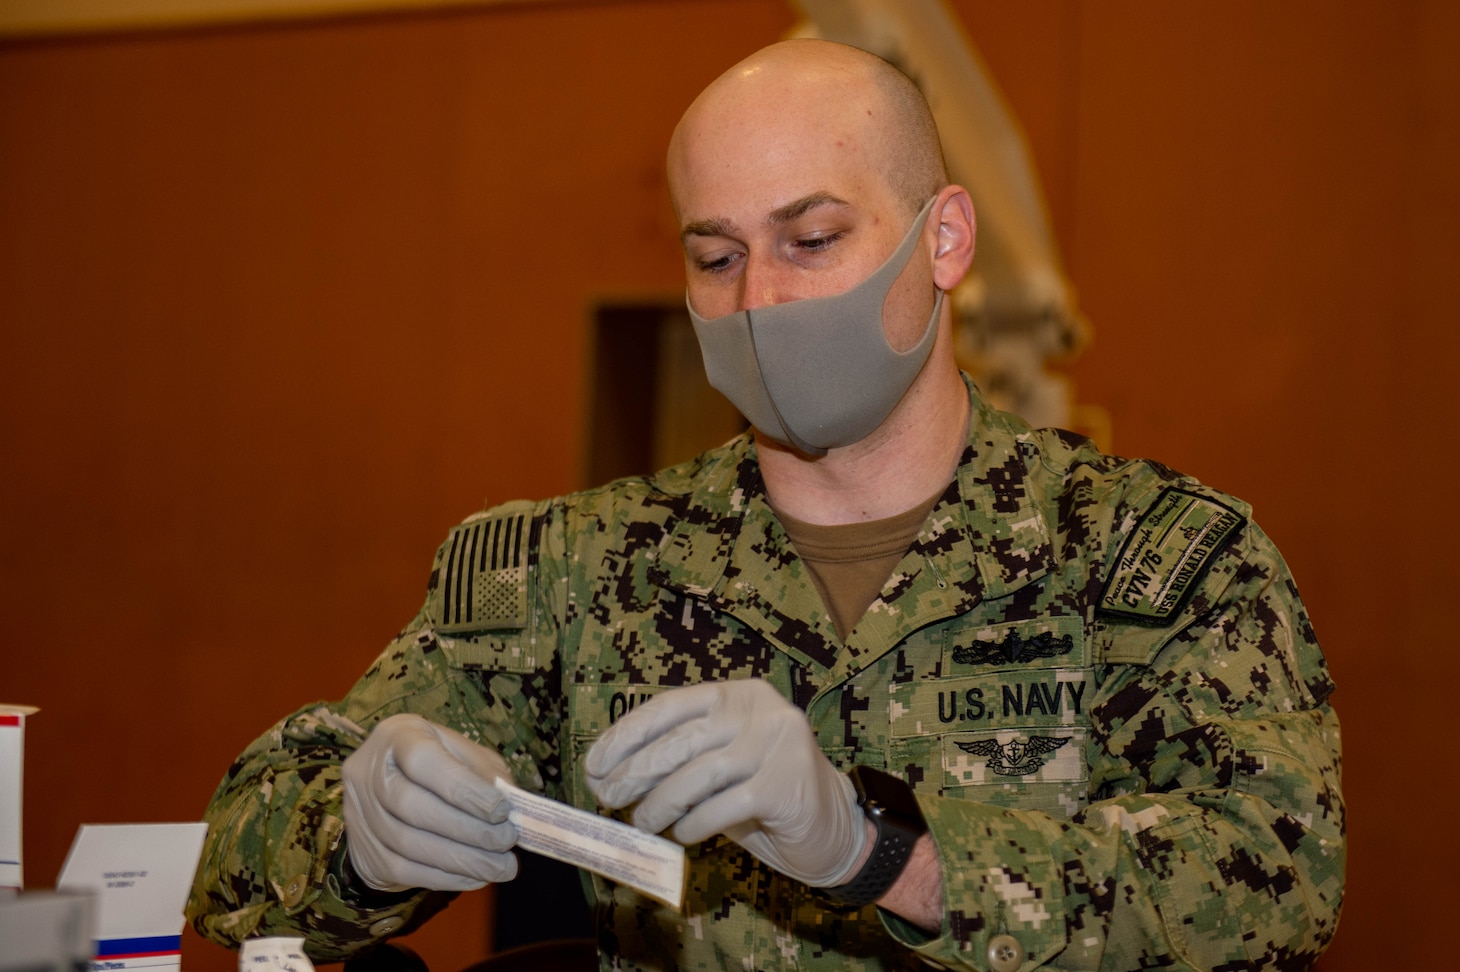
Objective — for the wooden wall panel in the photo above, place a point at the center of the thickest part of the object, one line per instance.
(281, 305)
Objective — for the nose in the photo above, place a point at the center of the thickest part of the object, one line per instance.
(761, 284)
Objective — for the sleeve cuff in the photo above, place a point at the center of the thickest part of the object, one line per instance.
(353, 890)
(1002, 893)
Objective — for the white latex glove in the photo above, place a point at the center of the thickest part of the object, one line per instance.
(422, 809)
(735, 758)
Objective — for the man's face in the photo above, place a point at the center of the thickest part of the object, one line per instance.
(782, 205)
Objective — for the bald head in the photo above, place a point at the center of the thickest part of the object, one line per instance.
(812, 170)
(835, 101)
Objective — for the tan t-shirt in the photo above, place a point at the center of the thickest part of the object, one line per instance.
(849, 562)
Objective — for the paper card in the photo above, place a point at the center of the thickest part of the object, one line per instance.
(141, 874)
(12, 765)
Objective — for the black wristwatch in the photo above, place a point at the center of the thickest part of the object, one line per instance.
(889, 803)
(354, 890)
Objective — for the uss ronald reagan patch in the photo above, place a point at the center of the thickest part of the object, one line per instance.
(1166, 555)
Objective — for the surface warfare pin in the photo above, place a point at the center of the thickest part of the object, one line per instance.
(1014, 649)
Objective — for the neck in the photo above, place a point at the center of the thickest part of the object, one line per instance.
(905, 460)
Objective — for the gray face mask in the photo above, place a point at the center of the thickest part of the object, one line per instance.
(817, 374)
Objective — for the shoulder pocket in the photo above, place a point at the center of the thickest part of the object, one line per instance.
(481, 591)
(1166, 556)
(482, 581)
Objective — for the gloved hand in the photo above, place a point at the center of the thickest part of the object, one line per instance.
(739, 759)
(422, 809)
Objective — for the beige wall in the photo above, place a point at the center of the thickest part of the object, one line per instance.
(280, 305)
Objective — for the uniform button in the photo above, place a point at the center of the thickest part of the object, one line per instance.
(1005, 953)
(294, 890)
(386, 925)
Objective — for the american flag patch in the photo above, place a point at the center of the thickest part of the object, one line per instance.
(483, 582)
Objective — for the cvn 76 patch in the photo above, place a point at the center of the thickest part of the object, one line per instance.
(1167, 554)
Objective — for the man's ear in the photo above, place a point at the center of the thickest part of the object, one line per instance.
(956, 229)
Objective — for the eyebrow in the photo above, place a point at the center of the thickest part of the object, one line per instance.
(803, 206)
(718, 226)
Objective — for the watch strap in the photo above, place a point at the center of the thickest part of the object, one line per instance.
(897, 823)
(354, 891)
(884, 866)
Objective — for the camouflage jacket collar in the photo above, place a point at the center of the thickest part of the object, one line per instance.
(985, 537)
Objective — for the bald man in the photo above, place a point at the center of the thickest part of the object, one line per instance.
(910, 681)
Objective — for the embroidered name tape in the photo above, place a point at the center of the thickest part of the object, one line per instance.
(1167, 554)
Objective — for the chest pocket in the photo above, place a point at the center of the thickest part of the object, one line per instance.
(592, 709)
(1006, 722)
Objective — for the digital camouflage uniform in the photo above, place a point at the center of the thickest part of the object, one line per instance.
(1095, 673)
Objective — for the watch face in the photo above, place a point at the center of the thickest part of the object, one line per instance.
(884, 793)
